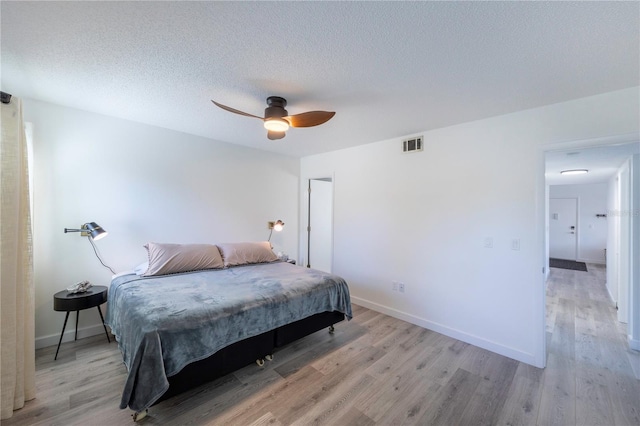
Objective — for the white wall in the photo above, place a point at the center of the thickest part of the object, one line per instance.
(592, 231)
(634, 297)
(141, 183)
(422, 219)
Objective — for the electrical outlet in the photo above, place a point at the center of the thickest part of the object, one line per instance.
(515, 244)
(488, 242)
(394, 285)
(401, 287)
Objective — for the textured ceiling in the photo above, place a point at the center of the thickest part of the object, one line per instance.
(388, 69)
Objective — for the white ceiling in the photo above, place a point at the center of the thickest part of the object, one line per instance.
(388, 69)
(602, 162)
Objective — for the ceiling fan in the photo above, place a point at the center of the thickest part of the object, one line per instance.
(277, 120)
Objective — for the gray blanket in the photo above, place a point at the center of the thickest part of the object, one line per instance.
(164, 323)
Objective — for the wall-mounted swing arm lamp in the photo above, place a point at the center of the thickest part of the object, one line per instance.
(90, 229)
(277, 226)
(94, 232)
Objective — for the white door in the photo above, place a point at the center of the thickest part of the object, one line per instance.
(320, 230)
(563, 228)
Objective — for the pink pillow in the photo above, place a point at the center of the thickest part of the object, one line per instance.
(173, 258)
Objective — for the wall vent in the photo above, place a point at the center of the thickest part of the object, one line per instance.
(412, 145)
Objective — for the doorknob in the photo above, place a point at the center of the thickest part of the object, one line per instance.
(572, 227)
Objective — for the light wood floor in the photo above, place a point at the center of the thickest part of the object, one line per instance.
(377, 370)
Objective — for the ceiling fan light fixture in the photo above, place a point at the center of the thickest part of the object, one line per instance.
(276, 124)
(277, 120)
(574, 172)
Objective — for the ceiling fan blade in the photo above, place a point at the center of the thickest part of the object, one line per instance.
(275, 135)
(235, 110)
(310, 119)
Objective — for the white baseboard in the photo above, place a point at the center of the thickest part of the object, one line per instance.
(610, 295)
(634, 344)
(69, 334)
(448, 331)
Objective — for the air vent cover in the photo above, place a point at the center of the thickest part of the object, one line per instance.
(412, 144)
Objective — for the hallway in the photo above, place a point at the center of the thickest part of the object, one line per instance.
(589, 377)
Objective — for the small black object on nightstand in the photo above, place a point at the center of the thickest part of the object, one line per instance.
(291, 261)
(65, 301)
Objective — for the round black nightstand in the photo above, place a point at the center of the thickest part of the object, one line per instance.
(65, 301)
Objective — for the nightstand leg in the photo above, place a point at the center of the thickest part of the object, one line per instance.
(61, 334)
(105, 327)
(77, 319)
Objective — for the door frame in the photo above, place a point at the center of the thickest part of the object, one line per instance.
(304, 214)
(624, 216)
(542, 207)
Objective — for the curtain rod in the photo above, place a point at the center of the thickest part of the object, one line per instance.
(5, 98)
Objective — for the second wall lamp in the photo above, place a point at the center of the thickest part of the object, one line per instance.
(277, 226)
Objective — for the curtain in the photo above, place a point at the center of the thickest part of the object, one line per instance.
(17, 326)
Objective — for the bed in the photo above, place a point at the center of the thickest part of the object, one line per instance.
(176, 331)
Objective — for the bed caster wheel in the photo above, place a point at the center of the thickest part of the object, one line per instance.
(260, 362)
(332, 329)
(268, 357)
(139, 415)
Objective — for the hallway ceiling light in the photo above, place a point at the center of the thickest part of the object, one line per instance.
(574, 172)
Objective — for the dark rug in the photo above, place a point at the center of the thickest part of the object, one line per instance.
(567, 264)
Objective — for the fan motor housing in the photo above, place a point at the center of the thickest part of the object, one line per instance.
(276, 107)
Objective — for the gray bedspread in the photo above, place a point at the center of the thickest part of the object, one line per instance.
(164, 323)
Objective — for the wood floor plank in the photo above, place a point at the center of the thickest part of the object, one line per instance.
(393, 386)
(282, 394)
(521, 405)
(267, 420)
(558, 402)
(336, 359)
(301, 353)
(450, 402)
(592, 403)
(410, 409)
(403, 355)
(625, 398)
(563, 339)
(486, 403)
(447, 363)
(354, 417)
(333, 391)
(336, 403)
(400, 335)
(379, 328)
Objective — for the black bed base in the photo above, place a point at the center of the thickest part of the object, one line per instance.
(245, 352)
